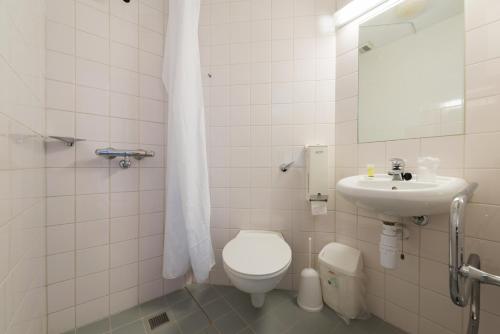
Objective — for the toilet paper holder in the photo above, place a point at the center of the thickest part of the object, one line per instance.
(318, 198)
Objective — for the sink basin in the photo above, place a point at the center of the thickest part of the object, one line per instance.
(401, 198)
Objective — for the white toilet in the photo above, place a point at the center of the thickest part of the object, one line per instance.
(256, 261)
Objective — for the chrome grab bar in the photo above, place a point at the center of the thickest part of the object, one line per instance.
(112, 153)
(465, 278)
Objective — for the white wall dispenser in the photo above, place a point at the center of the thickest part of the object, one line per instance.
(317, 178)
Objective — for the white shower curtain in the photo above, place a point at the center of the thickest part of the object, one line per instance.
(188, 244)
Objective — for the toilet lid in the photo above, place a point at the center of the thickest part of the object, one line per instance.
(257, 253)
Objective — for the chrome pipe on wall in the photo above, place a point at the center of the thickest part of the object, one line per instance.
(465, 278)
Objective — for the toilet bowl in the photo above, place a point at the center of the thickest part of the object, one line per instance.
(256, 261)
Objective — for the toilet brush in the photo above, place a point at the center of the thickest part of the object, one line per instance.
(309, 297)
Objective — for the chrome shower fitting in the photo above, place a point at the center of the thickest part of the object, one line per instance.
(111, 153)
(125, 162)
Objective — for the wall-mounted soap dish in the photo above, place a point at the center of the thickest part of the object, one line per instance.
(68, 141)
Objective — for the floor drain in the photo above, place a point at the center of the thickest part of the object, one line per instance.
(158, 320)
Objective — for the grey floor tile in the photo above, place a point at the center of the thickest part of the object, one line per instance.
(193, 323)
(169, 328)
(224, 289)
(289, 313)
(385, 328)
(357, 327)
(154, 306)
(97, 327)
(133, 328)
(125, 317)
(177, 296)
(326, 317)
(247, 331)
(183, 308)
(198, 287)
(205, 295)
(236, 298)
(268, 325)
(232, 313)
(217, 308)
(230, 324)
(310, 326)
(250, 313)
(278, 296)
(210, 330)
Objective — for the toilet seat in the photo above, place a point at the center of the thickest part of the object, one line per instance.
(257, 254)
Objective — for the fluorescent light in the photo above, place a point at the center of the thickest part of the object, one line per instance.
(362, 9)
(354, 9)
(452, 103)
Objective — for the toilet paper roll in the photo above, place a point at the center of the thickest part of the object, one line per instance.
(319, 208)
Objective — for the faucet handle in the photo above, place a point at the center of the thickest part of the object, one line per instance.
(397, 164)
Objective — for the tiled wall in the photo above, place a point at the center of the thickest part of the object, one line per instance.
(104, 224)
(415, 297)
(270, 93)
(22, 175)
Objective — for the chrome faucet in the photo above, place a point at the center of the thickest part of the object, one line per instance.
(397, 169)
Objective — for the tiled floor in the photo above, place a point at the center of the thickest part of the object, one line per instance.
(230, 312)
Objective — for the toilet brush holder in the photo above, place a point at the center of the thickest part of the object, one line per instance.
(310, 297)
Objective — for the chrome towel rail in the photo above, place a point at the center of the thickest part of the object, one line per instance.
(465, 278)
(111, 153)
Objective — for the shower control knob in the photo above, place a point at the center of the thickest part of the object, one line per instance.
(125, 163)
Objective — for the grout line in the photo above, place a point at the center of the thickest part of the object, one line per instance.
(199, 305)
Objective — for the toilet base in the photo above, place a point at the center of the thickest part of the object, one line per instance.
(258, 299)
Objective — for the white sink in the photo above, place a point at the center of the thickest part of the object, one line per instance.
(401, 198)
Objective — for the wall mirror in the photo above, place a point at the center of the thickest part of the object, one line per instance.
(411, 71)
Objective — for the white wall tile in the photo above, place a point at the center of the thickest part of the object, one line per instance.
(60, 181)
(92, 207)
(124, 32)
(62, 11)
(91, 234)
(60, 95)
(60, 210)
(92, 47)
(62, 321)
(92, 127)
(124, 277)
(126, 11)
(91, 287)
(60, 37)
(60, 238)
(123, 253)
(92, 74)
(441, 310)
(92, 260)
(60, 267)
(91, 311)
(60, 296)
(92, 101)
(92, 20)
(124, 228)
